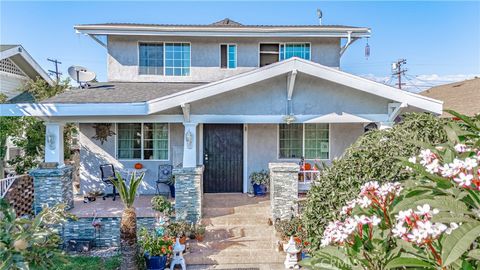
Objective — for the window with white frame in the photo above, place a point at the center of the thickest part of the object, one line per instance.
(151, 58)
(169, 59)
(300, 50)
(177, 59)
(147, 141)
(228, 56)
(304, 140)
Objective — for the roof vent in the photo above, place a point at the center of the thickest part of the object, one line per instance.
(320, 16)
(227, 22)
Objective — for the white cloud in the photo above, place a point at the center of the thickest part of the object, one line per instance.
(421, 82)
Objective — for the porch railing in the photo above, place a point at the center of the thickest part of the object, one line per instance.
(305, 179)
(6, 183)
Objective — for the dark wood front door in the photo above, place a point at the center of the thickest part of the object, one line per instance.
(223, 158)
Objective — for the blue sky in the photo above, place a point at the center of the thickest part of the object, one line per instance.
(440, 40)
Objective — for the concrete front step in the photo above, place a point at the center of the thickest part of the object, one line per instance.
(235, 257)
(274, 266)
(237, 231)
(235, 220)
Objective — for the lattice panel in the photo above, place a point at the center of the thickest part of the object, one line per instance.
(6, 65)
(20, 195)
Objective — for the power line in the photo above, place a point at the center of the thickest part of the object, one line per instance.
(56, 72)
(398, 71)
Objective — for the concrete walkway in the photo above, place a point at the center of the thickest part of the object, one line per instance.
(238, 235)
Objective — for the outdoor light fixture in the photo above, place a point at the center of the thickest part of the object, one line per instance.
(289, 119)
(189, 139)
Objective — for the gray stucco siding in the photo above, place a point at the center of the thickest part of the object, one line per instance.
(262, 144)
(122, 58)
(311, 96)
(93, 154)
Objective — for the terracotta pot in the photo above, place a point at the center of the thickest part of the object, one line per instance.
(138, 166)
(183, 240)
(200, 238)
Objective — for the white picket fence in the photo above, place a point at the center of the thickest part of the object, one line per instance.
(306, 178)
(6, 183)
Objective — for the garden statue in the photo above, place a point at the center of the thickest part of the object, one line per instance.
(291, 260)
(162, 222)
(178, 255)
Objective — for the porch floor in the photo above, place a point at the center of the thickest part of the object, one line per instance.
(110, 208)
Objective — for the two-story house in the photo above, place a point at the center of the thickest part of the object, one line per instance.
(226, 97)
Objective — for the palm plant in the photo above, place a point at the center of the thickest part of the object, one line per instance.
(128, 224)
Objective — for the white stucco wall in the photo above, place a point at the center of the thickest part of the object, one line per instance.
(93, 154)
(122, 58)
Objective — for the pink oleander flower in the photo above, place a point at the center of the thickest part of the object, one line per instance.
(417, 227)
(341, 232)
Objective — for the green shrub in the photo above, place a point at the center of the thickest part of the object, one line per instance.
(162, 204)
(31, 243)
(374, 156)
(91, 263)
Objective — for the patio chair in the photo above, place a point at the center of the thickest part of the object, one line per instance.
(108, 174)
(164, 175)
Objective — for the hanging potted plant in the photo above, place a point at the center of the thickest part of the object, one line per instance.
(260, 180)
(156, 249)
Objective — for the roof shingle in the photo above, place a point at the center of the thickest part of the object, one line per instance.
(462, 97)
(120, 92)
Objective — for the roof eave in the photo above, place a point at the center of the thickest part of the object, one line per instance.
(224, 31)
(19, 50)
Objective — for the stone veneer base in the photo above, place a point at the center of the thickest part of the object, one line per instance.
(188, 193)
(52, 186)
(108, 235)
(283, 190)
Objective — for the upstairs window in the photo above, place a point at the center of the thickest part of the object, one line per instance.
(151, 58)
(177, 59)
(268, 53)
(169, 59)
(228, 56)
(311, 141)
(300, 50)
(273, 52)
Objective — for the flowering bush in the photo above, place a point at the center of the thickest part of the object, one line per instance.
(431, 221)
(372, 156)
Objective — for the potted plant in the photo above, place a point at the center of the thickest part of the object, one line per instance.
(156, 249)
(162, 205)
(200, 232)
(260, 181)
(171, 185)
(180, 230)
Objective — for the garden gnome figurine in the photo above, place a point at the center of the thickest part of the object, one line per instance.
(291, 261)
(178, 255)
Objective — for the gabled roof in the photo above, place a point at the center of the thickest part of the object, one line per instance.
(18, 55)
(229, 84)
(462, 97)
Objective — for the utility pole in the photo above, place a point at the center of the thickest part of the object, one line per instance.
(56, 72)
(398, 71)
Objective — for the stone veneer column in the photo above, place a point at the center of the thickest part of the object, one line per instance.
(283, 189)
(52, 186)
(188, 193)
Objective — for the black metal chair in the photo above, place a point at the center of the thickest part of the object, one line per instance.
(164, 176)
(108, 174)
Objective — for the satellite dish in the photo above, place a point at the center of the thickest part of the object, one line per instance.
(81, 74)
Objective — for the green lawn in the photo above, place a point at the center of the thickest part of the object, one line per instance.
(91, 263)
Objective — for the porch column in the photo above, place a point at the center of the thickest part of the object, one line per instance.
(54, 143)
(283, 190)
(190, 145)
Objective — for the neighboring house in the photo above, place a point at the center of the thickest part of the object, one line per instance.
(462, 97)
(230, 97)
(16, 68)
